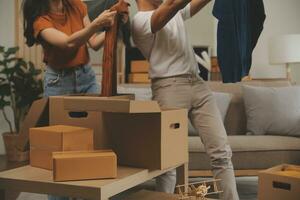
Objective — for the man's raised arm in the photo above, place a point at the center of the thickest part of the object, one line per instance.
(165, 12)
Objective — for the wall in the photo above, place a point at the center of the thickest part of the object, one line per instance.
(296, 73)
(282, 18)
(7, 39)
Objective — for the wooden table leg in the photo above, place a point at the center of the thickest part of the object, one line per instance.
(182, 176)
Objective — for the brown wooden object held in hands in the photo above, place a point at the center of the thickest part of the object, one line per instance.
(109, 74)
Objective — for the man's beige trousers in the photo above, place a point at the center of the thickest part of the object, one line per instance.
(192, 93)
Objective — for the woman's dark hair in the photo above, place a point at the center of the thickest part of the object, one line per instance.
(32, 9)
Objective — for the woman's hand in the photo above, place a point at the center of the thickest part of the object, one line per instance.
(105, 19)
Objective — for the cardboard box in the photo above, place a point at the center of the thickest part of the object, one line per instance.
(72, 166)
(140, 66)
(45, 140)
(279, 183)
(151, 195)
(141, 134)
(139, 78)
(79, 111)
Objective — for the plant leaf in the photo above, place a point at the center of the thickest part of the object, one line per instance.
(11, 59)
(4, 103)
(12, 50)
(5, 89)
(1, 49)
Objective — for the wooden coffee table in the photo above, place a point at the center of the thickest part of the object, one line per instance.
(35, 180)
(6, 165)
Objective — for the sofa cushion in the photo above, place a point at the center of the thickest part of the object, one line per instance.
(250, 152)
(272, 111)
(236, 121)
(223, 100)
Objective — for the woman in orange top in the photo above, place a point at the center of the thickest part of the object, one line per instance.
(64, 30)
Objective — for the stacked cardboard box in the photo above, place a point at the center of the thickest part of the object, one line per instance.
(72, 166)
(139, 72)
(280, 182)
(215, 74)
(68, 151)
(46, 140)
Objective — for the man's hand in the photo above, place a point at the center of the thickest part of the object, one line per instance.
(165, 12)
(197, 5)
(125, 17)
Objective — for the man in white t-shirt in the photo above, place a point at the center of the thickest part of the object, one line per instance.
(159, 32)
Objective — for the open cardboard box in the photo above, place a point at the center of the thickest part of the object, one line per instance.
(279, 183)
(141, 134)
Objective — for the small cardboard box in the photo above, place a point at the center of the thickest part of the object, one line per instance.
(73, 166)
(151, 195)
(45, 140)
(279, 183)
(140, 66)
(141, 134)
(139, 78)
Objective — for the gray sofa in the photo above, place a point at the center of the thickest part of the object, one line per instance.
(250, 153)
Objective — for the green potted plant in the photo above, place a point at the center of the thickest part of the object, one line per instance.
(20, 86)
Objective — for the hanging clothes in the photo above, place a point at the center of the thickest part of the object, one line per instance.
(97, 7)
(239, 27)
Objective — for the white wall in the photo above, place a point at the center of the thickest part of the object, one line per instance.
(7, 39)
(296, 74)
(7, 23)
(282, 18)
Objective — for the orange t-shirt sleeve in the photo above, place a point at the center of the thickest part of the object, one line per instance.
(40, 24)
(82, 8)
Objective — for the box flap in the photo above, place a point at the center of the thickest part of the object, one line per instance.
(75, 154)
(287, 170)
(106, 104)
(60, 129)
(38, 115)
